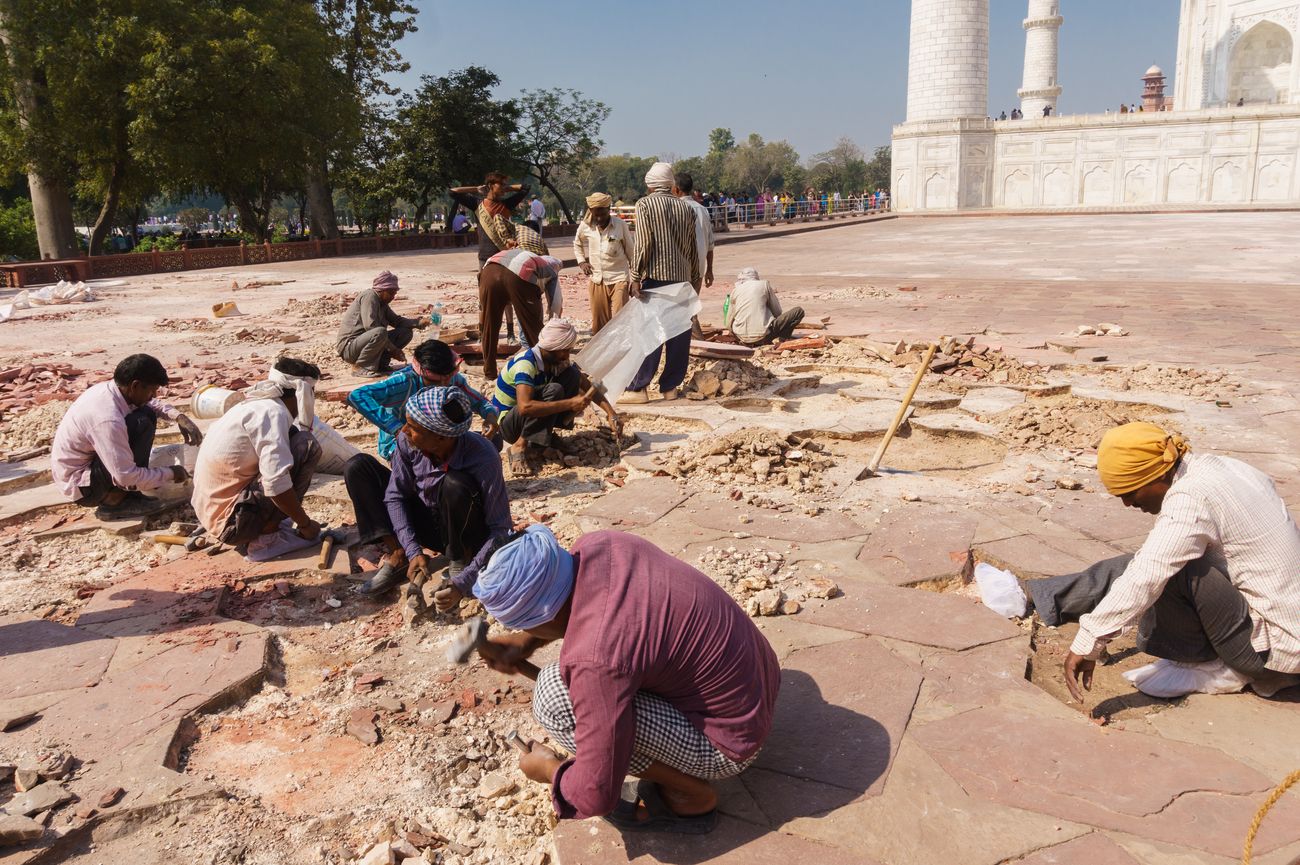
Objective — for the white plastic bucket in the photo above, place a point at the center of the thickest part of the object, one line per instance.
(335, 449)
(211, 401)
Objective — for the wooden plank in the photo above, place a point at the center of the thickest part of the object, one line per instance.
(703, 348)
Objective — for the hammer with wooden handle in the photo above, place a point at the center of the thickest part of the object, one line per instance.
(471, 636)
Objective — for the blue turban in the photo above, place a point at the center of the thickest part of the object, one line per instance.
(427, 409)
(527, 581)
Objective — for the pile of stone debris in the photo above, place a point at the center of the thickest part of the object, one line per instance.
(1070, 422)
(962, 359)
(1171, 379)
(324, 311)
(760, 581)
(752, 457)
(725, 378)
(25, 387)
(38, 793)
(182, 325)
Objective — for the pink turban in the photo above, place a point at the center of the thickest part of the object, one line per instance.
(558, 335)
(384, 282)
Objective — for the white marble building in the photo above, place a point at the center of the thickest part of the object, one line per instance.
(1232, 140)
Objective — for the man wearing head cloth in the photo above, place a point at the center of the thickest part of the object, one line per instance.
(258, 459)
(383, 403)
(541, 390)
(446, 493)
(371, 334)
(665, 253)
(1214, 591)
(754, 314)
(603, 248)
(661, 675)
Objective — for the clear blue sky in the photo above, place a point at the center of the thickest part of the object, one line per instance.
(807, 71)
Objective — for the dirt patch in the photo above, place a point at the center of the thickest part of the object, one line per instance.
(951, 455)
(1071, 422)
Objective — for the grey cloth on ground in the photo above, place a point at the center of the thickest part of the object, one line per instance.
(254, 509)
(663, 734)
(1198, 617)
(371, 348)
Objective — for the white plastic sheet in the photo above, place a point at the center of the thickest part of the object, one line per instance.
(1168, 679)
(643, 324)
(1000, 591)
(50, 295)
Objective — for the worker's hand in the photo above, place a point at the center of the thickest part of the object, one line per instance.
(708, 277)
(422, 323)
(398, 355)
(179, 475)
(585, 267)
(616, 424)
(579, 403)
(540, 764)
(491, 428)
(310, 530)
(189, 430)
(634, 289)
(446, 598)
(503, 653)
(1078, 670)
(417, 565)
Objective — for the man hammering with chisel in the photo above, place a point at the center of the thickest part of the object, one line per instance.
(661, 675)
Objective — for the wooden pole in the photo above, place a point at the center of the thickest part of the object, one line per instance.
(902, 411)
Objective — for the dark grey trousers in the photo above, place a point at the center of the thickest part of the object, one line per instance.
(1199, 616)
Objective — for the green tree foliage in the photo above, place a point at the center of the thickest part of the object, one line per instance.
(840, 169)
(759, 165)
(721, 142)
(452, 132)
(879, 171)
(559, 132)
(18, 231)
(372, 177)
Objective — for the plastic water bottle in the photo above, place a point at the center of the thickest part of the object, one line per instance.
(435, 319)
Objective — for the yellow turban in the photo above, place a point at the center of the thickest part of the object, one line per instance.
(599, 199)
(1135, 454)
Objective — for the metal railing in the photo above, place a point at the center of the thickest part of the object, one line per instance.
(751, 213)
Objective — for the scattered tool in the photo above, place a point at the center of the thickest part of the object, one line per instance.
(329, 537)
(870, 470)
(471, 636)
(191, 543)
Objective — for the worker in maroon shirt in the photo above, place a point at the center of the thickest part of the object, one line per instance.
(661, 675)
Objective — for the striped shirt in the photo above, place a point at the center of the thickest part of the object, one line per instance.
(1229, 513)
(383, 403)
(525, 368)
(665, 240)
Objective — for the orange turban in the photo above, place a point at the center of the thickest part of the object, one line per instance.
(1135, 454)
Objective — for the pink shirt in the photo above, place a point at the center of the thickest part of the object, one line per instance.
(645, 621)
(95, 424)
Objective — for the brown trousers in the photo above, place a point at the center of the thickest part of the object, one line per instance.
(498, 288)
(606, 301)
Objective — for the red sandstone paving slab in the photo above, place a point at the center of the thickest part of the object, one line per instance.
(1188, 795)
(789, 634)
(1030, 556)
(1261, 733)
(840, 716)
(1085, 549)
(1098, 515)
(672, 534)
(1091, 849)
(912, 545)
(43, 656)
(913, 615)
(129, 706)
(639, 503)
(991, 675)
(716, 512)
(734, 842)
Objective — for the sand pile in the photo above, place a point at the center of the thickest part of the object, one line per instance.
(183, 325)
(320, 312)
(761, 582)
(1070, 422)
(1172, 379)
(32, 429)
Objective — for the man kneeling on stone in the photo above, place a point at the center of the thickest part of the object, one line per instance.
(255, 465)
(1214, 590)
(446, 493)
(100, 455)
(661, 675)
(754, 314)
(371, 334)
(541, 391)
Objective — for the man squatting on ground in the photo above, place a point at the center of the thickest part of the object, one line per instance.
(1216, 585)
(661, 675)
(371, 334)
(383, 403)
(100, 454)
(665, 253)
(445, 492)
(256, 463)
(603, 247)
(541, 390)
(754, 314)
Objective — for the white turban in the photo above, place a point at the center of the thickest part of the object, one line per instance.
(660, 176)
(303, 387)
(558, 335)
(747, 273)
